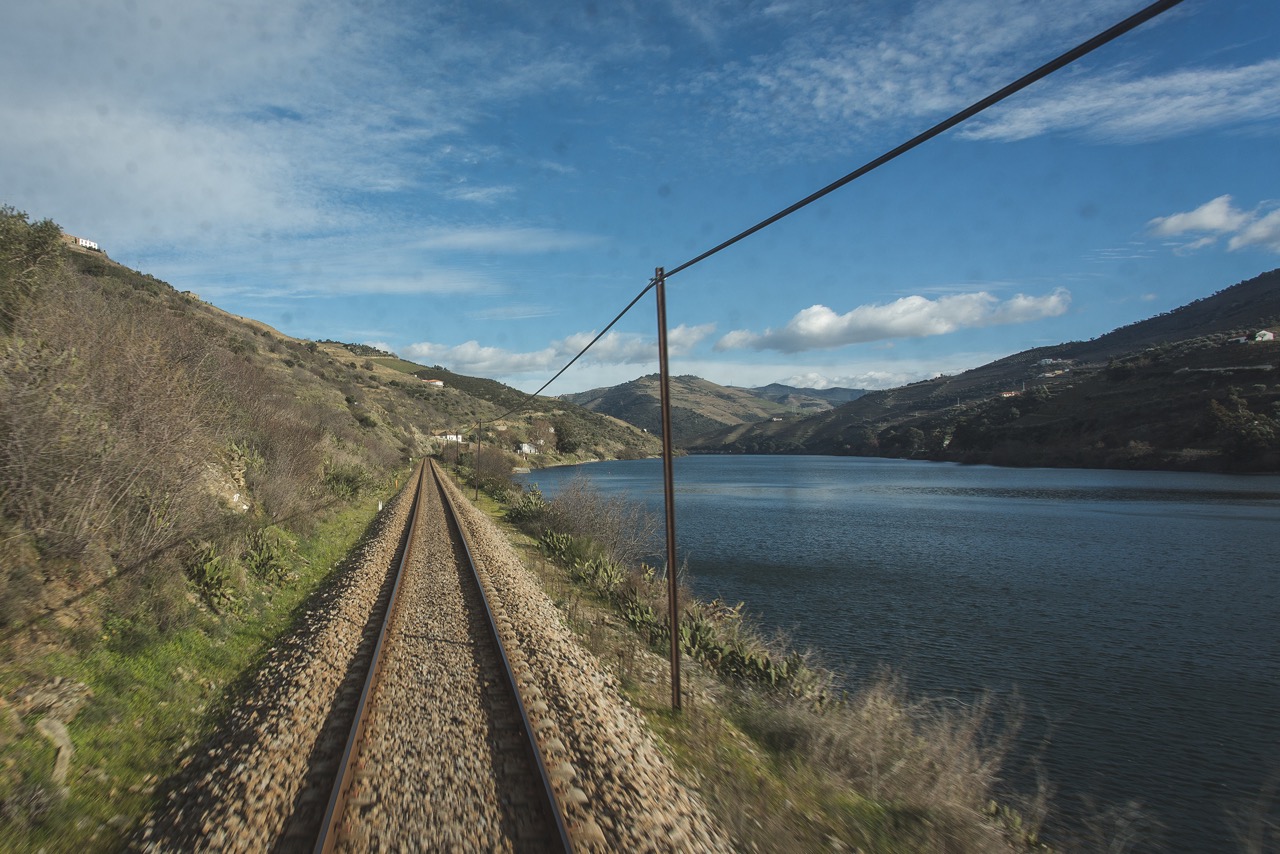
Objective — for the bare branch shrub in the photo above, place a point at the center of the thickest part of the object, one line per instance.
(921, 757)
(627, 531)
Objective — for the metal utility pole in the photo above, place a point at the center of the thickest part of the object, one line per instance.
(668, 488)
(475, 464)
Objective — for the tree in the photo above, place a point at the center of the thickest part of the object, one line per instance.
(1245, 436)
(542, 435)
(493, 469)
(566, 440)
(26, 250)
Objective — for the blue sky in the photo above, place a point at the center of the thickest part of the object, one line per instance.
(484, 185)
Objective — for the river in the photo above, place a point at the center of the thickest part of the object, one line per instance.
(1136, 614)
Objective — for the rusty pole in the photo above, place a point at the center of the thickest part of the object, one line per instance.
(475, 464)
(668, 488)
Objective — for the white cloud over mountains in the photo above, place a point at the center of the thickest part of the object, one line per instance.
(1219, 218)
(819, 327)
(614, 348)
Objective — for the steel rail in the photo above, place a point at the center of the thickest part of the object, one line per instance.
(329, 826)
(551, 804)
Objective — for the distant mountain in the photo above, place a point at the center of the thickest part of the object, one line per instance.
(806, 399)
(698, 406)
(1171, 392)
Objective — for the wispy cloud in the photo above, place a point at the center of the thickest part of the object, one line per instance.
(1115, 108)
(1264, 232)
(918, 60)
(818, 327)
(513, 312)
(504, 240)
(214, 121)
(1219, 218)
(482, 195)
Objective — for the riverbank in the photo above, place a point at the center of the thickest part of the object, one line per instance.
(781, 761)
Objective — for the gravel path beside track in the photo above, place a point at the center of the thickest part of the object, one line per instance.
(247, 786)
(623, 794)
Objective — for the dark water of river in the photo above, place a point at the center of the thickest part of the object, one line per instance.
(1137, 614)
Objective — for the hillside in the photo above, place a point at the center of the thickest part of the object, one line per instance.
(141, 421)
(807, 399)
(175, 481)
(1169, 392)
(698, 406)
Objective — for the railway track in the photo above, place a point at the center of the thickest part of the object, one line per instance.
(442, 751)
(443, 761)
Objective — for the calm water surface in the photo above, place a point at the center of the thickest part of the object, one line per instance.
(1135, 613)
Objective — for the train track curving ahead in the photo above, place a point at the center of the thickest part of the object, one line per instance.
(443, 749)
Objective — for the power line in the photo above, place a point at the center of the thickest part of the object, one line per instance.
(1061, 61)
(583, 351)
(969, 112)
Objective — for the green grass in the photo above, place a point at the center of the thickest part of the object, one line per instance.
(152, 700)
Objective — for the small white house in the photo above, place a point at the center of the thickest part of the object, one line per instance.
(452, 437)
(434, 383)
(1265, 335)
(526, 449)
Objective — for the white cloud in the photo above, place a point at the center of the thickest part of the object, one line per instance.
(1112, 108)
(1216, 215)
(613, 349)
(473, 359)
(1219, 217)
(818, 327)
(866, 379)
(1264, 232)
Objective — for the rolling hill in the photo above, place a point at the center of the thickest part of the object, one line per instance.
(1173, 392)
(700, 407)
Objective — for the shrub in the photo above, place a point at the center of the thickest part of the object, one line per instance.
(493, 468)
(270, 552)
(346, 481)
(213, 574)
(626, 531)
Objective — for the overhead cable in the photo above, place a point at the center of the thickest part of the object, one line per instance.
(969, 112)
(1075, 53)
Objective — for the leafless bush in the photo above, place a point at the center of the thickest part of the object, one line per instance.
(626, 530)
(103, 431)
(493, 468)
(935, 761)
